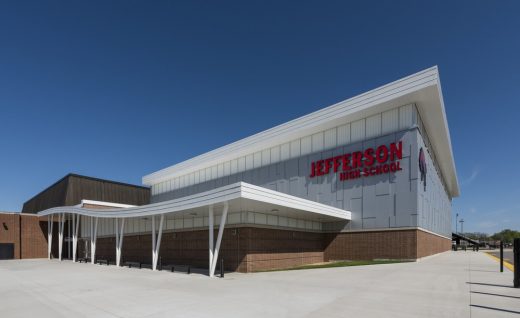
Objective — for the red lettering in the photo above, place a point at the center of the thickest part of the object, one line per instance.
(386, 168)
(369, 157)
(346, 162)
(313, 170)
(396, 151)
(356, 159)
(336, 163)
(319, 167)
(382, 154)
(327, 165)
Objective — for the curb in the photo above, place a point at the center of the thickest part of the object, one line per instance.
(509, 266)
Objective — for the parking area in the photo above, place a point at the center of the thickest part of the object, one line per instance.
(453, 284)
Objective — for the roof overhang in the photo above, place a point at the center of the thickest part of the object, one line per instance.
(422, 89)
(239, 196)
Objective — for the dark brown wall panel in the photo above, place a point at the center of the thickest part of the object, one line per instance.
(100, 190)
(73, 188)
(51, 197)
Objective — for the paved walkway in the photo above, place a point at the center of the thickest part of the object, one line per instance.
(453, 284)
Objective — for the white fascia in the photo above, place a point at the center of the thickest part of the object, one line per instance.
(103, 203)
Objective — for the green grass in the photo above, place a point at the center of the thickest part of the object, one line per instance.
(341, 264)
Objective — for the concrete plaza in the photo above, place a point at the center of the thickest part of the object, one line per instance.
(453, 284)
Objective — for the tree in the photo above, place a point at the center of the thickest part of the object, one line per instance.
(477, 236)
(507, 236)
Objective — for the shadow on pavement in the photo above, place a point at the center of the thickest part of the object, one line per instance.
(476, 292)
(485, 284)
(493, 308)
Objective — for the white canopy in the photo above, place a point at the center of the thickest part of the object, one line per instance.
(240, 196)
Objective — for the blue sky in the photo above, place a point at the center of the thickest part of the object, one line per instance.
(119, 89)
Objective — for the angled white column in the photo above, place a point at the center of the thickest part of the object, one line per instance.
(50, 225)
(219, 238)
(91, 229)
(211, 241)
(119, 240)
(61, 226)
(75, 230)
(93, 239)
(156, 242)
(69, 234)
(153, 240)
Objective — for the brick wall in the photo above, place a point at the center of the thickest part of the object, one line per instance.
(243, 249)
(273, 249)
(249, 249)
(28, 233)
(399, 244)
(393, 244)
(34, 236)
(10, 231)
(430, 244)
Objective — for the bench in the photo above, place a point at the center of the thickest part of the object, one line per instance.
(172, 268)
(135, 264)
(84, 259)
(102, 261)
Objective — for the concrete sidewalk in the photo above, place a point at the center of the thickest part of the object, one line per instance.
(453, 284)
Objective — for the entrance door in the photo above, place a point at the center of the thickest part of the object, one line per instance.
(6, 250)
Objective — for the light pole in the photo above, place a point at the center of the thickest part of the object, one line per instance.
(456, 223)
(461, 226)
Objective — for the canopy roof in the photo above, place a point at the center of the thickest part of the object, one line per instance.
(240, 196)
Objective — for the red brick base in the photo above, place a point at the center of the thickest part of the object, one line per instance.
(28, 233)
(390, 244)
(251, 249)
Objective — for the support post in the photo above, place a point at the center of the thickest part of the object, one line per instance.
(61, 226)
(119, 240)
(73, 236)
(211, 241)
(75, 230)
(156, 241)
(219, 239)
(116, 231)
(69, 234)
(501, 256)
(93, 240)
(153, 241)
(516, 261)
(50, 225)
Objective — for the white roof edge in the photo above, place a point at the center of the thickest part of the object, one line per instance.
(455, 188)
(297, 127)
(107, 204)
(306, 124)
(215, 196)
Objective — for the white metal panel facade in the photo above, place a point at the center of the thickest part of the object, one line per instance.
(381, 124)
